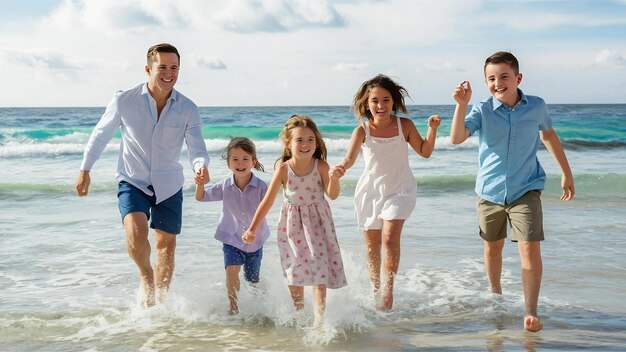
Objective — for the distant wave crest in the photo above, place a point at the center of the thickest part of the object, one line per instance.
(610, 185)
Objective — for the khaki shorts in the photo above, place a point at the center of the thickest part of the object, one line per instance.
(524, 216)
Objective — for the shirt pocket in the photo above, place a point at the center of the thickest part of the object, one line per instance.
(172, 137)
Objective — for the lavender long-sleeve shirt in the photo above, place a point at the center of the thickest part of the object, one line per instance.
(238, 208)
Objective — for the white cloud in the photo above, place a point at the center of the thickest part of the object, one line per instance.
(210, 62)
(121, 17)
(38, 58)
(248, 16)
(444, 67)
(98, 46)
(351, 67)
(608, 57)
(113, 16)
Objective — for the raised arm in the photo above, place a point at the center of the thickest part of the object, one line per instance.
(554, 146)
(196, 148)
(278, 179)
(352, 154)
(330, 179)
(462, 94)
(423, 147)
(201, 179)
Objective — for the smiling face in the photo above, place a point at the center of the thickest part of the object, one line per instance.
(240, 162)
(163, 72)
(502, 82)
(380, 103)
(303, 142)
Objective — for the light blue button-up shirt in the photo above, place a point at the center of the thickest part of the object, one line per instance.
(238, 208)
(150, 147)
(508, 143)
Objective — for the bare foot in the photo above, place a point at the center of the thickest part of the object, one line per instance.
(532, 323)
(145, 294)
(161, 295)
(385, 301)
(318, 324)
(234, 307)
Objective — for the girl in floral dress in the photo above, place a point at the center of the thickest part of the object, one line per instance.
(307, 242)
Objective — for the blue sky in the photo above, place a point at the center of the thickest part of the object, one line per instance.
(309, 52)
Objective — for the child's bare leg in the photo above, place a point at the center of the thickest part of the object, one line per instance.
(391, 233)
(492, 255)
(233, 285)
(319, 304)
(372, 246)
(532, 271)
(297, 296)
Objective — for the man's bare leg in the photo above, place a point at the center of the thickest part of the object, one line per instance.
(138, 248)
(165, 244)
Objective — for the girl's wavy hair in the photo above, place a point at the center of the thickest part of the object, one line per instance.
(247, 145)
(360, 106)
(286, 136)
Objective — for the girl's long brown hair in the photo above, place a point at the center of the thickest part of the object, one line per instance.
(286, 135)
(360, 106)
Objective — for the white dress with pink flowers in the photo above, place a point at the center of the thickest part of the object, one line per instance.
(307, 242)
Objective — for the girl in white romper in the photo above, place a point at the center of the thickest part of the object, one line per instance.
(307, 242)
(385, 194)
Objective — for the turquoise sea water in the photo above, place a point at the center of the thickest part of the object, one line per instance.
(66, 282)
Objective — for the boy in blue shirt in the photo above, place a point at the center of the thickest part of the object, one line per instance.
(510, 178)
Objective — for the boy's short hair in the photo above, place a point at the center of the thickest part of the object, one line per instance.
(161, 48)
(503, 57)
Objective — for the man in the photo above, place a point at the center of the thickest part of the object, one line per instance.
(154, 120)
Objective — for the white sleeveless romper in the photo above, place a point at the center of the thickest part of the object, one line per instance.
(387, 189)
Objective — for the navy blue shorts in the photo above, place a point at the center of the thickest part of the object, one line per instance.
(251, 261)
(166, 216)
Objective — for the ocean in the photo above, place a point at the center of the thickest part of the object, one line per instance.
(67, 284)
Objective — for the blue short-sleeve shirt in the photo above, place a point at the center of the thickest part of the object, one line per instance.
(508, 143)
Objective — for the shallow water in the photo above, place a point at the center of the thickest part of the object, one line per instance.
(67, 284)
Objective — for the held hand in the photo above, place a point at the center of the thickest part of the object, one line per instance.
(567, 183)
(462, 93)
(248, 237)
(200, 180)
(434, 121)
(202, 176)
(82, 183)
(336, 172)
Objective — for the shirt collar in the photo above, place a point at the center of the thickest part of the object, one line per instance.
(254, 181)
(522, 100)
(173, 95)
